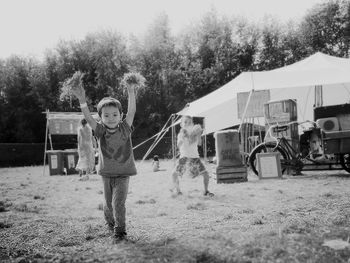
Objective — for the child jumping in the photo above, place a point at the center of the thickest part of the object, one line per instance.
(116, 159)
(187, 141)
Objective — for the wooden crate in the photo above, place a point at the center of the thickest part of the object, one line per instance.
(231, 174)
(227, 148)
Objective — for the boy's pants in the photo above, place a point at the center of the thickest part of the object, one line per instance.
(115, 193)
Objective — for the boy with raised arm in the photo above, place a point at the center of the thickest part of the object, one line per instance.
(116, 159)
(188, 140)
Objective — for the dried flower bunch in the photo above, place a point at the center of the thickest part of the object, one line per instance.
(133, 78)
(196, 130)
(73, 83)
(193, 133)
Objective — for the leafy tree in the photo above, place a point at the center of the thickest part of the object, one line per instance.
(271, 53)
(245, 37)
(292, 43)
(155, 57)
(326, 28)
(108, 55)
(21, 115)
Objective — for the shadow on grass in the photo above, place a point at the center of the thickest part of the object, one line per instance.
(340, 175)
(165, 250)
(325, 175)
(296, 242)
(126, 252)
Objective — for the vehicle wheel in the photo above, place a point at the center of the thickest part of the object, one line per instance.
(345, 161)
(265, 148)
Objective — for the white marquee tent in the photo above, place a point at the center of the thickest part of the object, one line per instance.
(296, 81)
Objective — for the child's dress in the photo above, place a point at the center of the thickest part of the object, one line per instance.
(86, 151)
(155, 166)
(155, 163)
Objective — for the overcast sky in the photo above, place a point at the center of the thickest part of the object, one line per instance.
(28, 27)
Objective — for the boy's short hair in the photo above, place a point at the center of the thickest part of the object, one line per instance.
(108, 101)
(183, 117)
(186, 117)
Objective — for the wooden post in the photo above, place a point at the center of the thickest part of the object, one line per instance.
(46, 131)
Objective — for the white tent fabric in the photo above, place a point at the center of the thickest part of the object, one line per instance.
(295, 81)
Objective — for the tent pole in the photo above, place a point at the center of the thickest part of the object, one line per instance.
(50, 139)
(242, 120)
(260, 134)
(318, 96)
(154, 144)
(157, 134)
(173, 136)
(46, 131)
(156, 141)
(248, 101)
(205, 143)
(248, 134)
(205, 148)
(245, 109)
(252, 133)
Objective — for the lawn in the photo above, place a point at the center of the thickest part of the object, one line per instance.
(59, 218)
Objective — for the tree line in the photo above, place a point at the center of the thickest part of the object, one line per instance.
(178, 68)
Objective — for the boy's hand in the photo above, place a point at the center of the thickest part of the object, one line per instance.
(131, 88)
(184, 133)
(79, 92)
(197, 129)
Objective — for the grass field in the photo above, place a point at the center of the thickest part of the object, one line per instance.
(59, 219)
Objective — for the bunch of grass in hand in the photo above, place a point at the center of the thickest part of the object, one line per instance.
(71, 84)
(133, 78)
(195, 133)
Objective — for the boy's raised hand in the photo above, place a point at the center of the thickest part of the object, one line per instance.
(133, 82)
(79, 92)
(131, 88)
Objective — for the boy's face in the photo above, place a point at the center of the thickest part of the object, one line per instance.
(186, 122)
(110, 116)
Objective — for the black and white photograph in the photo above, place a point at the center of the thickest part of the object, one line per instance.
(198, 131)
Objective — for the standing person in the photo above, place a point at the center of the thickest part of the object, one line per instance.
(116, 159)
(86, 149)
(187, 141)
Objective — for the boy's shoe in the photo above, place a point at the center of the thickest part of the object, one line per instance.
(207, 193)
(118, 237)
(110, 227)
(176, 191)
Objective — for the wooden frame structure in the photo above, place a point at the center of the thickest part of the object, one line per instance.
(61, 123)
